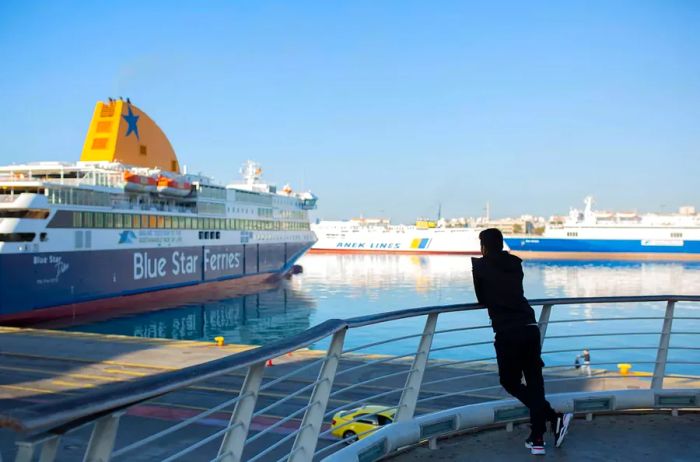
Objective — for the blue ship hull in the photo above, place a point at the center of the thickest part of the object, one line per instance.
(544, 246)
(38, 282)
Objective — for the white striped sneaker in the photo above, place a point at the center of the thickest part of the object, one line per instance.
(562, 428)
(536, 446)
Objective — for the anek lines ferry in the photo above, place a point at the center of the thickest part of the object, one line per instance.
(378, 236)
(125, 224)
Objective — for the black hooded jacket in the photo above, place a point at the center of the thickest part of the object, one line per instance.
(498, 282)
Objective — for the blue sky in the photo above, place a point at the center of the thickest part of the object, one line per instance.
(380, 107)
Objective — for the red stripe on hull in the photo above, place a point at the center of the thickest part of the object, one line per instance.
(632, 256)
(96, 310)
(395, 252)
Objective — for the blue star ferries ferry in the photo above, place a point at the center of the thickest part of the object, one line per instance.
(125, 229)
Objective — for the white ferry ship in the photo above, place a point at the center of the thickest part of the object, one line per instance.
(125, 226)
(589, 234)
(379, 236)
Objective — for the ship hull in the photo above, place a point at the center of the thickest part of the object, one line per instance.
(395, 252)
(603, 249)
(402, 241)
(41, 286)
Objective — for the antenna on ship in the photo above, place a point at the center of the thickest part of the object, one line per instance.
(251, 172)
(439, 214)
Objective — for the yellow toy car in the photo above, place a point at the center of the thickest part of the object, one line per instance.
(360, 422)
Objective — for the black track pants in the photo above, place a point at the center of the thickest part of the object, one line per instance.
(518, 353)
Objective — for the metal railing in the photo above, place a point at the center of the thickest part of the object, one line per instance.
(433, 377)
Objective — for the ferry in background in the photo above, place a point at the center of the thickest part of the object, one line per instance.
(379, 236)
(125, 229)
(590, 234)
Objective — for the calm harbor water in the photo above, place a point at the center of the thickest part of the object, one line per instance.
(343, 286)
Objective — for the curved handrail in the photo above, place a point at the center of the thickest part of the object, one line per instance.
(66, 414)
(51, 416)
(413, 312)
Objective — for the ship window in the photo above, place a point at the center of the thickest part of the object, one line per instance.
(109, 220)
(152, 221)
(168, 222)
(87, 219)
(132, 221)
(677, 235)
(77, 220)
(25, 213)
(127, 221)
(99, 220)
(17, 237)
(43, 237)
(572, 234)
(161, 222)
(118, 220)
(218, 235)
(143, 150)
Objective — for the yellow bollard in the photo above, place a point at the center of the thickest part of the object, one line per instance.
(219, 341)
(624, 368)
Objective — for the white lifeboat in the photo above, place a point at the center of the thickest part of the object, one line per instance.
(174, 186)
(139, 183)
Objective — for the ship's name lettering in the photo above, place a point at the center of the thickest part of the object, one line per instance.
(371, 245)
(51, 259)
(147, 267)
(221, 260)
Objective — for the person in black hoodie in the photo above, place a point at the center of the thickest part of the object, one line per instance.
(498, 283)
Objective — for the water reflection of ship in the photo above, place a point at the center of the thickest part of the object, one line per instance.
(381, 270)
(621, 278)
(251, 319)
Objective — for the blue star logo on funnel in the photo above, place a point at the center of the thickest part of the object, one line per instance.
(131, 120)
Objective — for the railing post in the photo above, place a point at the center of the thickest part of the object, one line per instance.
(49, 449)
(102, 439)
(409, 396)
(544, 322)
(307, 438)
(657, 382)
(231, 449)
(25, 451)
